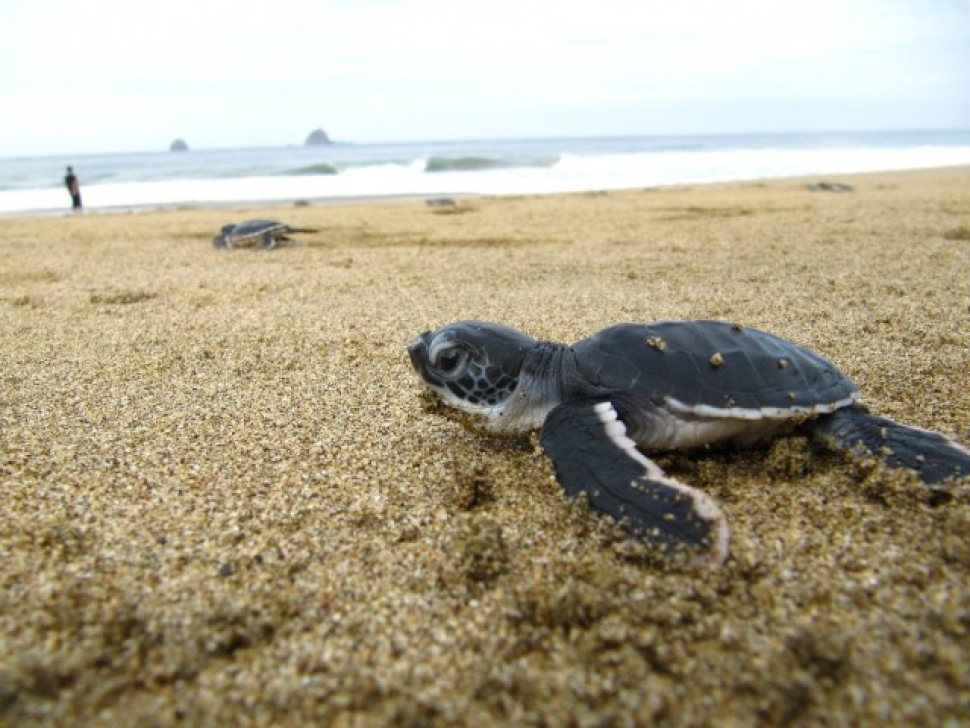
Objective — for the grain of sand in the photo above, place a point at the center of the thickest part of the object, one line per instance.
(225, 502)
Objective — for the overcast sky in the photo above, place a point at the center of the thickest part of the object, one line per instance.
(82, 76)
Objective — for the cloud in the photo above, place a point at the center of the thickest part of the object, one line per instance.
(228, 72)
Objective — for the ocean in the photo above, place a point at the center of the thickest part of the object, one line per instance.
(342, 171)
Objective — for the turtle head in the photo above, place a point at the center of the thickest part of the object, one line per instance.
(473, 366)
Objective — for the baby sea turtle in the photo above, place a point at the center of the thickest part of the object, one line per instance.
(265, 234)
(632, 389)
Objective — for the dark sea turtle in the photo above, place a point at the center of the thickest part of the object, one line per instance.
(631, 389)
(265, 234)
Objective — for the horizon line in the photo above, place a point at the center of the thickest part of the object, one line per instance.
(453, 140)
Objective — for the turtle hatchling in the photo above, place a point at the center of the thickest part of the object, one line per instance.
(264, 234)
(604, 403)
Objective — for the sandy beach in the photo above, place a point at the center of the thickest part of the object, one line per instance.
(226, 501)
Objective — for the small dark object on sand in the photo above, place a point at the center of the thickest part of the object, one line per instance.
(830, 187)
(664, 386)
(264, 234)
(440, 202)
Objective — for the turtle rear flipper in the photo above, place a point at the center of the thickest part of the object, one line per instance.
(932, 456)
(592, 454)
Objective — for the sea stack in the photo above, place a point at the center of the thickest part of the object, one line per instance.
(317, 138)
(179, 145)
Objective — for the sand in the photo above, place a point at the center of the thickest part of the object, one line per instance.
(225, 500)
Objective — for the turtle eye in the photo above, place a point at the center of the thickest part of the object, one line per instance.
(451, 361)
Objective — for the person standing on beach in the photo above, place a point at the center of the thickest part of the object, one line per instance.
(70, 181)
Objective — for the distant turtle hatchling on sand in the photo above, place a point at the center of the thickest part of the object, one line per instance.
(659, 387)
(264, 234)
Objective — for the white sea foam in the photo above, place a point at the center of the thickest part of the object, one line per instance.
(491, 168)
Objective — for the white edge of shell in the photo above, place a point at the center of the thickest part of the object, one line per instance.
(765, 413)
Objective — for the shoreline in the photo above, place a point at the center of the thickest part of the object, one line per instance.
(226, 499)
(298, 201)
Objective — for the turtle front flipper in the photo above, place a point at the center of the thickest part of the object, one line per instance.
(223, 241)
(932, 456)
(589, 447)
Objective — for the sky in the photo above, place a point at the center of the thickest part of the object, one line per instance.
(114, 75)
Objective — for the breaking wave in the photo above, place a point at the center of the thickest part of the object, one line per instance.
(321, 168)
(478, 164)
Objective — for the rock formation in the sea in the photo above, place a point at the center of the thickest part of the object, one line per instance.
(317, 138)
(179, 145)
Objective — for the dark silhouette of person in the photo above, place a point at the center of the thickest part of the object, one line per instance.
(70, 181)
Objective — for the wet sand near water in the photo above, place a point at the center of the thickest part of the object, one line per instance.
(225, 500)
